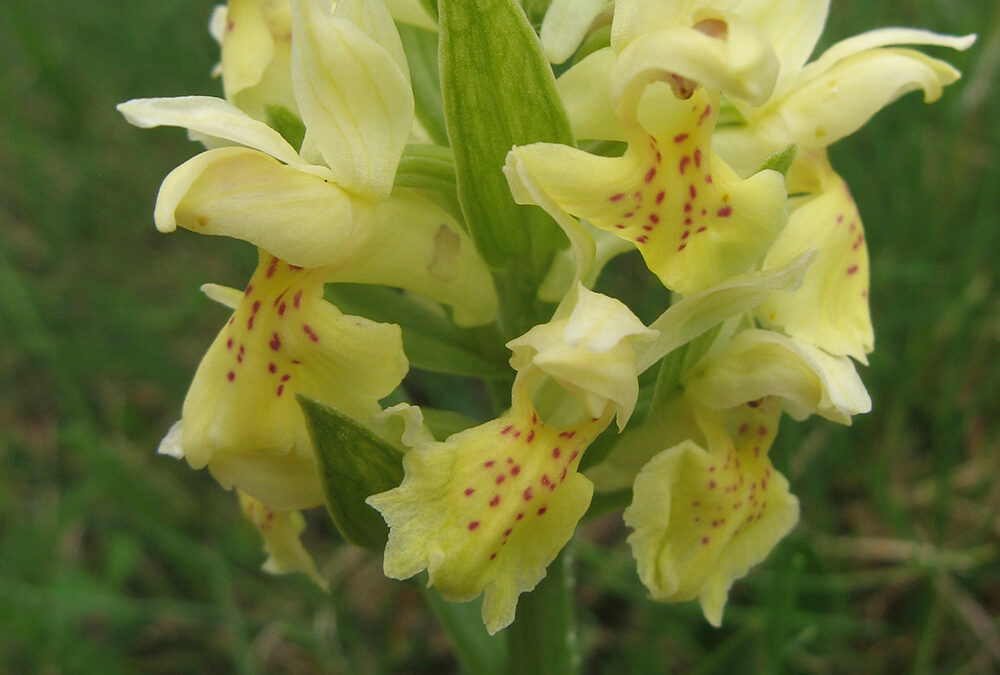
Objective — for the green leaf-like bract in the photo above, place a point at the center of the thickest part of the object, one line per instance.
(499, 91)
(354, 464)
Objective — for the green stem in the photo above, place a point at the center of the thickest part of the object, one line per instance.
(542, 639)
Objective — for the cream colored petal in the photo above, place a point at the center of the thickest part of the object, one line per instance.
(882, 37)
(693, 315)
(838, 101)
(212, 117)
(703, 518)
(247, 46)
(565, 25)
(792, 27)
(416, 245)
(520, 170)
(281, 532)
(241, 193)
(585, 93)
(589, 350)
(171, 445)
(759, 363)
(487, 510)
(354, 97)
(240, 416)
(740, 64)
(830, 309)
(634, 18)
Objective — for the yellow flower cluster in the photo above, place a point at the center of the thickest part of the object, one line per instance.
(703, 129)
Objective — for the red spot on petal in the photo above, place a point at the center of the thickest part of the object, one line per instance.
(506, 429)
(696, 504)
(515, 470)
(281, 389)
(650, 175)
(309, 331)
(531, 436)
(271, 368)
(250, 322)
(693, 192)
(281, 309)
(711, 485)
(682, 247)
(286, 378)
(641, 240)
(275, 343)
(574, 455)
(489, 463)
(567, 434)
(680, 138)
(682, 165)
(762, 431)
(495, 500)
(700, 229)
(500, 479)
(697, 158)
(229, 343)
(687, 207)
(527, 495)
(546, 481)
(725, 211)
(708, 178)
(852, 269)
(272, 267)
(473, 525)
(542, 511)
(249, 290)
(619, 226)
(556, 452)
(468, 491)
(660, 196)
(519, 516)
(653, 218)
(706, 113)
(615, 197)
(230, 376)
(297, 299)
(704, 541)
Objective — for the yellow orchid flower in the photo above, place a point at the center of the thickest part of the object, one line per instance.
(240, 416)
(813, 105)
(332, 219)
(692, 218)
(703, 515)
(488, 509)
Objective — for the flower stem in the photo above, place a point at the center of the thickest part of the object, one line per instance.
(542, 639)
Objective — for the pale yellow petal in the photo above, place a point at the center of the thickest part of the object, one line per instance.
(792, 27)
(738, 63)
(589, 350)
(836, 102)
(219, 120)
(417, 245)
(585, 92)
(354, 97)
(241, 193)
(281, 532)
(759, 363)
(565, 25)
(830, 309)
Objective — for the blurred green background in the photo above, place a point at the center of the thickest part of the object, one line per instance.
(115, 560)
